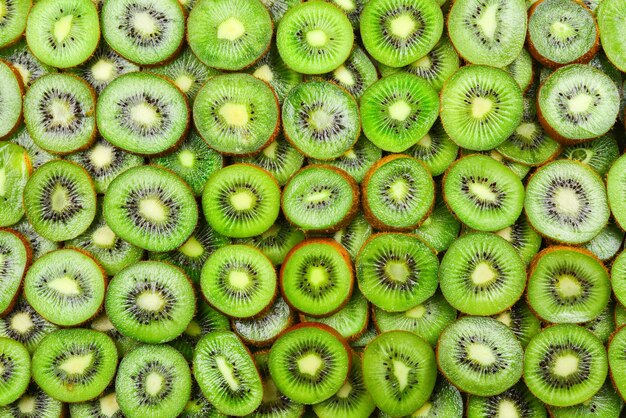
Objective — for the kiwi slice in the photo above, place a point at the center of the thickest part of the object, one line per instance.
(241, 201)
(617, 363)
(566, 202)
(279, 158)
(263, 329)
(441, 228)
(521, 69)
(198, 406)
(309, 363)
(123, 343)
(521, 320)
(34, 403)
(151, 208)
(277, 241)
(515, 402)
(321, 119)
(565, 365)
(435, 149)
(74, 365)
(607, 243)
(396, 271)
(480, 356)
(358, 72)
(226, 373)
(272, 69)
(104, 66)
(15, 170)
(23, 324)
(37, 155)
(603, 325)
(398, 32)
(577, 103)
(605, 403)
(229, 35)
(11, 96)
(520, 170)
(488, 32)
(483, 193)
(15, 361)
(150, 301)
(59, 113)
(618, 277)
(320, 198)
(15, 258)
(63, 33)
(599, 154)
(314, 37)
(619, 315)
(444, 401)
(398, 193)
(104, 406)
(278, 8)
(142, 113)
(353, 236)
(26, 64)
(562, 32)
(482, 274)
(351, 321)
(13, 21)
(357, 160)
(38, 244)
(615, 192)
(610, 15)
(481, 106)
(104, 162)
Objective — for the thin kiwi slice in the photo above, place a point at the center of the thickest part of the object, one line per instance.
(577, 103)
(15, 361)
(483, 193)
(277, 241)
(522, 70)
(618, 277)
(480, 356)
(351, 321)
(617, 363)
(398, 193)
(142, 113)
(63, 33)
(278, 8)
(59, 113)
(481, 106)
(620, 315)
(357, 73)
(320, 198)
(12, 90)
(25, 325)
(279, 158)
(236, 113)
(520, 170)
(398, 110)
(566, 202)
(354, 235)
(37, 155)
(151, 208)
(607, 243)
(150, 301)
(15, 258)
(103, 67)
(599, 154)
(272, 69)
(441, 228)
(357, 160)
(74, 365)
(15, 170)
(321, 119)
(565, 365)
(34, 403)
(562, 32)
(444, 401)
(38, 244)
(605, 403)
(241, 201)
(229, 35)
(124, 344)
(226, 373)
(26, 64)
(615, 191)
(13, 21)
(104, 406)
(489, 33)
(314, 37)
(515, 402)
(603, 325)
(396, 272)
(146, 32)
(609, 16)
(262, 330)
(522, 321)
(398, 32)
(435, 149)
(309, 363)
(198, 406)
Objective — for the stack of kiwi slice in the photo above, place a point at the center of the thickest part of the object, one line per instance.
(312, 208)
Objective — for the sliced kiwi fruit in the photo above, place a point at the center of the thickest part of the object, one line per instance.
(278, 8)
(617, 364)
(34, 403)
(104, 406)
(277, 241)
(354, 235)
(605, 403)
(321, 119)
(15, 259)
(37, 155)
(357, 73)
(599, 154)
(607, 243)
(272, 69)
(142, 113)
(229, 35)
(615, 192)
(11, 96)
(104, 66)
(444, 401)
(198, 406)
(151, 208)
(13, 21)
(357, 160)
(480, 356)
(320, 198)
(226, 373)
(398, 193)
(562, 32)
(520, 170)
(124, 344)
(522, 70)
(351, 321)
(279, 158)
(63, 33)
(150, 301)
(620, 315)
(15, 361)
(262, 330)
(366, 337)
(603, 325)
(521, 320)
(74, 365)
(241, 201)
(23, 324)
(38, 244)
(441, 228)
(396, 272)
(609, 16)
(566, 202)
(515, 402)
(15, 170)
(26, 64)
(618, 277)
(435, 149)
(565, 365)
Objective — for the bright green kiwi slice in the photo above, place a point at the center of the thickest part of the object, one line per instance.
(25, 325)
(37, 155)
(357, 73)
(521, 320)
(13, 21)
(11, 91)
(272, 69)
(357, 160)
(39, 244)
(398, 110)
(603, 325)
(277, 241)
(354, 235)
(142, 113)
(521, 69)
(577, 103)
(565, 365)
(309, 363)
(34, 403)
(15, 257)
(151, 208)
(314, 37)
(481, 106)
(146, 32)
(241, 201)
(483, 193)
(514, 402)
(278, 8)
(615, 180)
(226, 373)
(398, 193)
(435, 149)
(104, 406)
(15, 169)
(15, 362)
(236, 113)
(566, 201)
(60, 200)
(599, 154)
(605, 403)
(441, 228)
(124, 344)
(198, 406)
(350, 321)
(607, 243)
(488, 32)
(321, 119)
(316, 277)
(620, 315)
(263, 329)
(480, 356)
(617, 360)
(320, 198)
(618, 277)
(26, 64)
(396, 272)
(74, 365)
(150, 301)
(104, 66)
(610, 14)
(279, 158)
(63, 33)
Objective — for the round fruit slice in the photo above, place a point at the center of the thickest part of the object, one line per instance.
(25, 325)
(14, 22)
(11, 91)
(610, 14)
(616, 192)
(522, 321)
(279, 158)
(15, 169)
(262, 330)
(617, 362)
(356, 74)
(15, 363)
(517, 401)
(606, 401)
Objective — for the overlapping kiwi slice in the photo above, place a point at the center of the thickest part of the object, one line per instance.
(13, 21)
(609, 15)
(277, 241)
(441, 228)
(27, 65)
(11, 87)
(357, 160)
(521, 320)
(615, 191)
(607, 243)
(272, 69)
(37, 155)
(606, 403)
(353, 236)
(103, 67)
(105, 405)
(435, 149)
(15, 170)
(263, 329)
(34, 403)
(279, 158)
(599, 154)
(23, 324)
(516, 401)
(356, 74)
(15, 361)
(617, 363)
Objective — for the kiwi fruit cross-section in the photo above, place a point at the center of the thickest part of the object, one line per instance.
(615, 179)
(516, 401)
(13, 21)
(609, 15)
(12, 91)
(277, 241)
(23, 324)
(606, 402)
(104, 66)
(15, 361)
(357, 160)
(272, 69)
(263, 329)
(351, 320)
(616, 347)
(34, 402)
(356, 74)
(279, 158)
(15, 170)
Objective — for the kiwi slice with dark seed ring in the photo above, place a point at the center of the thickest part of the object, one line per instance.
(15, 170)
(12, 90)
(15, 361)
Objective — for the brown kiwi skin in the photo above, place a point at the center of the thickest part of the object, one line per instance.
(344, 254)
(349, 216)
(613, 378)
(584, 59)
(367, 210)
(20, 83)
(29, 259)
